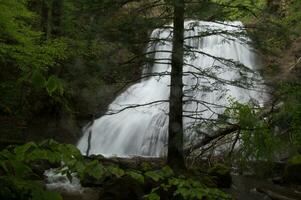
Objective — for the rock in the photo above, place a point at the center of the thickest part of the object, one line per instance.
(144, 163)
(278, 180)
(221, 175)
(292, 170)
(273, 195)
(97, 157)
(84, 194)
(124, 188)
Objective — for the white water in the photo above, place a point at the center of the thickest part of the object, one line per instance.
(143, 130)
(58, 181)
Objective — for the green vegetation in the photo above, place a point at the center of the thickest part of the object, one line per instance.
(292, 170)
(259, 141)
(26, 57)
(22, 169)
(62, 61)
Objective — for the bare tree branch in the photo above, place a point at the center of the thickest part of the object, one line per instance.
(135, 106)
(210, 138)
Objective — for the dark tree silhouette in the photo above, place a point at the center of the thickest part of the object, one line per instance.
(175, 157)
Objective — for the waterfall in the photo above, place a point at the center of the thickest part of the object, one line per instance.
(218, 66)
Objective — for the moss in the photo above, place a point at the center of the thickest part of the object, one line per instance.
(146, 166)
(292, 172)
(295, 160)
(221, 175)
(124, 188)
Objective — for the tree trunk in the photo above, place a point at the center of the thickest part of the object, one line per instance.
(46, 19)
(175, 157)
(57, 13)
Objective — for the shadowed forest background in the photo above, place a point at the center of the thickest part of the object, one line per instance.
(64, 61)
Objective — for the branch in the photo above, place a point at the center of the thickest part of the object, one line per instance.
(295, 64)
(227, 131)
(135, 106)
(210, 138)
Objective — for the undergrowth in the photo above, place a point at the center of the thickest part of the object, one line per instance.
(22, 168)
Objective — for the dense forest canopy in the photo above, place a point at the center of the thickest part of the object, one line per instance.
(64, 61)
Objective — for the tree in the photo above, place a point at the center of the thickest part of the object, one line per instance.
(175, 157)
(25, 56)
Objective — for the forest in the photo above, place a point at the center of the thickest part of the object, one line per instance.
(150, 99)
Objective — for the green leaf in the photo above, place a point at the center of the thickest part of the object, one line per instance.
(54, 84)
(154, 175)
(167, 171)
(184, 192)
(6, 154)
(3, 164)
(20, 151)
(52, 196)
(20, 168)
(38, 80)
(95, 169)
(40, 194)
(37, 154)
(152, 196)
(137, 176)
(116, 171)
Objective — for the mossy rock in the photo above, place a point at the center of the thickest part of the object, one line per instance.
(202, 175)
(292, 172)
(124, 188)
(221, 175)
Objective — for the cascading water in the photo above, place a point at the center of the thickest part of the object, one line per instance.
(216, 64)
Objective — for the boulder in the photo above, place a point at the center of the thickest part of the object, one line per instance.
(124, 188)
(221, 175)
(292, 171)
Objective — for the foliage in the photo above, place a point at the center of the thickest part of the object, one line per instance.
(22, 46)
(294, 17)
(181, 187)
(245, 10)
(292, 170)
(289, 116)
(22, 168)
(295, 160)
(258, 139)
(26, 58)
(64, 58)
(276, 29)
(266, 133)
(187, 189)
(18, 178)
(226, 10)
